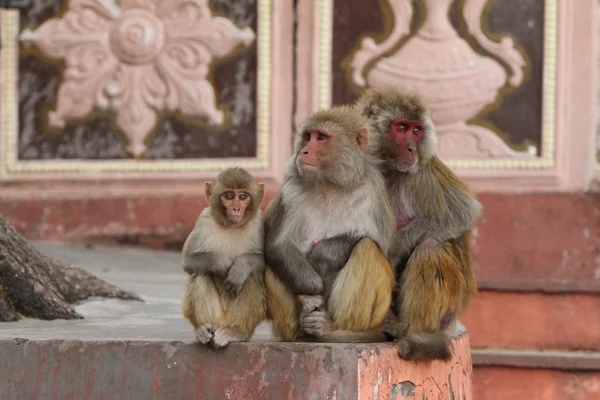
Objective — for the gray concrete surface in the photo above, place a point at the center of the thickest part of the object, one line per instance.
(155, 275)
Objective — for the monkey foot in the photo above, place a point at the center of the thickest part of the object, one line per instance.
(205, 333)
(223, 336)
(405, 349)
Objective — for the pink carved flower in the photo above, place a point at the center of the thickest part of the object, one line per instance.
(136, 58)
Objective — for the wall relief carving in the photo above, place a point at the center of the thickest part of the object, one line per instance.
(136, 58)
(457, 82)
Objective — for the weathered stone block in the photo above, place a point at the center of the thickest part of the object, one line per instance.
(86, 369)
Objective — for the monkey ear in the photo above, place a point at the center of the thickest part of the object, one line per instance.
(261, 193)
(208, 190)
(362, 138)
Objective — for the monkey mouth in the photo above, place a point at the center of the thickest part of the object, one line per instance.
(235, 218)
(307, 167)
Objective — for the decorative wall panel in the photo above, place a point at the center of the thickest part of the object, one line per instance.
(497, 85)
(178, 88)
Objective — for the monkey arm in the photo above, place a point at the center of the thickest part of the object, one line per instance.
(255, 262)
(462, 208)
(209, 262)
(285, 259)
(244, 265)
(289, 265)
(331, 254)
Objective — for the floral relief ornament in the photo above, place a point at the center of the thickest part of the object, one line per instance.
(136, 58)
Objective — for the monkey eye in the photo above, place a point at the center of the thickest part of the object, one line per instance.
(228, 196)
(417, 130)
(243, 196)
(402, 126)
(306, 137)
(321, 136)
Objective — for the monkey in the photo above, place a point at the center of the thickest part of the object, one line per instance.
(434, 212)
(327, 236)
(224, 298)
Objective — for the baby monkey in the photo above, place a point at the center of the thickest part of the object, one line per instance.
(224, 297)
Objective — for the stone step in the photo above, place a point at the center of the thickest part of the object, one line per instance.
(508, 383)
(500, 374)
(524, 242)
(143, 369)
(132, 350)
(516, 320)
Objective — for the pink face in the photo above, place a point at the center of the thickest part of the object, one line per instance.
(406, 134)
(235, 202)
(313, 154)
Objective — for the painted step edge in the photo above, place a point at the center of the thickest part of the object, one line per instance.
(543, 286)
(539, 359)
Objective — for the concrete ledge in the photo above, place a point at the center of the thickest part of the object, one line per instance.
(112, 370)
(125, 350)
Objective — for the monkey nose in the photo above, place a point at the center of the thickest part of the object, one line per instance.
(410, 149)
(305, 152)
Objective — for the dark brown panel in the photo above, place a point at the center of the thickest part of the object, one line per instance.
(517, 113)
(176, 137)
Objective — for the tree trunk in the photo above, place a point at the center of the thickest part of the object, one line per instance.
(35, 286)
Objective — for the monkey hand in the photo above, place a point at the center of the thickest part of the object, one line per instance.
(310, 283)
(317, 323)
(310, 303)
(237, 275)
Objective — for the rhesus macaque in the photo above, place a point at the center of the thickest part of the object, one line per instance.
(434, 213)
(225, 295)
(327, 236)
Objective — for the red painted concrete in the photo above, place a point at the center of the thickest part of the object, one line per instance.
(547, 237)
(539, 236)
(534, 384)
(69, 369)
(534, 321)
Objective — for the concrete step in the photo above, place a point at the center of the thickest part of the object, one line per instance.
(147, 369)
(132, 350)
(516, 320)
(523, 241)
(500, 374)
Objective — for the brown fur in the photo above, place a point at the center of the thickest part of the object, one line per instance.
(360, 298)
(347, 194)
(225, 298)
(436, 280)
(207, 301)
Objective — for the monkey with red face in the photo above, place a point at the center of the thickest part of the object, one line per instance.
(435, 212)
(327, 236)
(225, 296)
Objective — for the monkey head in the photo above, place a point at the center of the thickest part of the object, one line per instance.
(402, 126)
(235, 197)
(330, 148)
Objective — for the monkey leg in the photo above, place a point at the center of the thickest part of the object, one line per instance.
(282, 308)
(202, 306)
(242, 313)
(362, 292)
(435, 287)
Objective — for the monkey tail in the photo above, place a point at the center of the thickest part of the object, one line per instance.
(425, 346)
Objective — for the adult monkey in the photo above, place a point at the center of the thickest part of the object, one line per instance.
(434, 213)
(327, 236)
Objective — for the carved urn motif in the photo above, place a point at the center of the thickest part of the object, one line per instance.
(457, 82)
